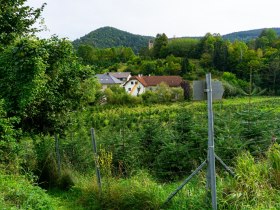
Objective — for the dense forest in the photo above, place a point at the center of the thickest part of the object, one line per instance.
(50, 99)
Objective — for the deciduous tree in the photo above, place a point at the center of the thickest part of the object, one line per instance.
(17, 19)
(42, 82)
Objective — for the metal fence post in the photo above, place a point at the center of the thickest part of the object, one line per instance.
(211, 152)
(97, 168)
(57, 154)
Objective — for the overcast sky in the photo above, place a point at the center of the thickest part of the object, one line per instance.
(75, 18)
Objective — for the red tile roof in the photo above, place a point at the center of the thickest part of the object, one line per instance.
(172, 81)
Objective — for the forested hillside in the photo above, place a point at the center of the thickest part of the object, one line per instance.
(246, 35)
(107, 37)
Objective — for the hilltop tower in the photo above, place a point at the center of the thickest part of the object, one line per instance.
(151, 44)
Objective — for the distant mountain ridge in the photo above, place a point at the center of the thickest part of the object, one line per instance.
(247, 35)
(107, 37)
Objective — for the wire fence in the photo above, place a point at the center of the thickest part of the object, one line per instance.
(170, 143)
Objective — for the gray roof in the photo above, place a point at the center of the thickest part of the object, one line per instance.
(108, 79)
(120, 74)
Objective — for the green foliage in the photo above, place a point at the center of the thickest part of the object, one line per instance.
(19, 193)
(169, 141)
(274, 162)
(246, 36)
(266, 38)
(251, 188)
(104, 58)
(108, 37)
(8, 142)
(182, 47)
(160, 46)
(163, 94)
(117, 95)
(105, 162)
(42, 81)
(255, 128)
(233, 86)
(45, 165)
(138, 192)
(16, 20)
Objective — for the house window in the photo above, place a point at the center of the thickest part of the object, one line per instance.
(129, 89)
(132, 83)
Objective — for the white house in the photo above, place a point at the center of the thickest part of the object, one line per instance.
(137, 85)
(134, 87)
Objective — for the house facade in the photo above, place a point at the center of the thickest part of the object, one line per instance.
(138, 85)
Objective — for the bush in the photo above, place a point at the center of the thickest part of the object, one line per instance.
(117, 95)
(16, 192)
(233, 86)
(8, 142)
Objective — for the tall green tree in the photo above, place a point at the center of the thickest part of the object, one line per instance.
(220, 56)
(87, 53)
(160, 43)
(266, 38)
(42, 81)
(236, 52)
(270, 73)
(17, 19)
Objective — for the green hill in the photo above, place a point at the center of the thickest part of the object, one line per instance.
(247, 35)
(107, 37)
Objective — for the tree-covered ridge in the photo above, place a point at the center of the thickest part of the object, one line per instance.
(107, 37)
(247, 35)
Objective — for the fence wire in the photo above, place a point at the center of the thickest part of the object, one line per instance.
(169, 142)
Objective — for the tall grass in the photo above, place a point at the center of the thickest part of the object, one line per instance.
(252, 188)
(138, 192)
(255, 186)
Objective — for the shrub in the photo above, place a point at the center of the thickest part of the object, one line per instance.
(16, 192)
(117, 95)
(8, 142)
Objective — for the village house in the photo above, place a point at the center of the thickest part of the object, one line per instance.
(137, 85)
(113, 78)
(122, 76)
(107, 80)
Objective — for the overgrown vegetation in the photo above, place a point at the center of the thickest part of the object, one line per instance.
(146, 144)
